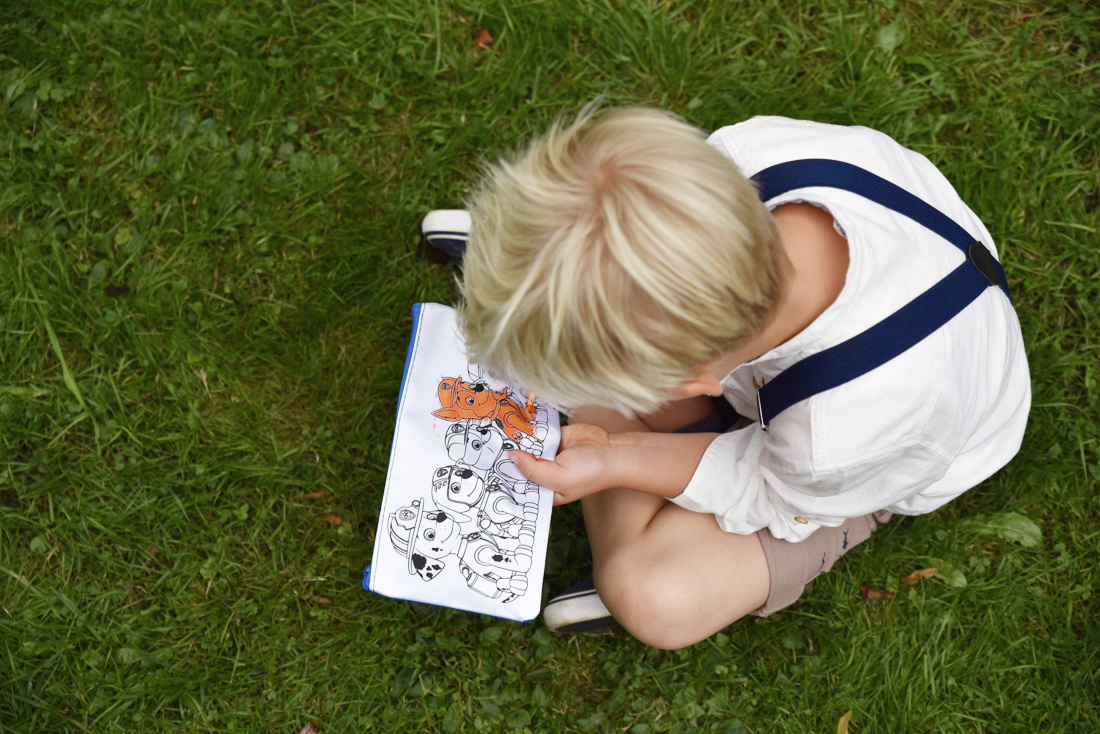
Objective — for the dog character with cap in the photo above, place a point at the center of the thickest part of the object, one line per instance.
(426, 537)
(476, 401)
(493, 508)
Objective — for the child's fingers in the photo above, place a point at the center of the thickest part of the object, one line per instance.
(537, 470)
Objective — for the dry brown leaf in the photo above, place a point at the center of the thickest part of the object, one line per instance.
(842, 725)
(870, 592)
(484, 39)
(334, 519)
(153, 550)
(920, 573)
(326, 600)
(320, 495)
(308, 729)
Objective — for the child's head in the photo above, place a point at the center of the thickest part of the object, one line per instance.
(613, 257)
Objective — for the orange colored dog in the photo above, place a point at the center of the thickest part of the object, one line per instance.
(475, 401)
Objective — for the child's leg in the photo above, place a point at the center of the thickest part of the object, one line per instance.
(670, 576)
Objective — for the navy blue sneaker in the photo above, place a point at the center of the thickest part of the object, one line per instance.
(578, 609)
(445, 234)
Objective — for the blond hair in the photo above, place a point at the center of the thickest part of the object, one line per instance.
(613, 257)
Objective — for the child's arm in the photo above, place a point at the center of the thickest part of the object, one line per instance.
(591, 459)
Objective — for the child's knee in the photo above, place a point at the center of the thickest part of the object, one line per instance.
(657, 609)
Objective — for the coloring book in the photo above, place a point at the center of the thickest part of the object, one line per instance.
(459, 525)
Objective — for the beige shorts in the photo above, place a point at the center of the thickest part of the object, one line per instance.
(793, 565)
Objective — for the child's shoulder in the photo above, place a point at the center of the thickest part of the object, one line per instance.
(775, 130)
(765, 140)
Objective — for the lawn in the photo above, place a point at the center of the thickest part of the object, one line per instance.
(208, 213)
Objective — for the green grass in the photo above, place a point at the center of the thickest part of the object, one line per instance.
(207, 213)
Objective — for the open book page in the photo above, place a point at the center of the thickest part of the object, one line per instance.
(459, 525)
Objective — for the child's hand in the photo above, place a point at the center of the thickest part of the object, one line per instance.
(584, 464)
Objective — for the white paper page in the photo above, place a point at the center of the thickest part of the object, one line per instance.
(459, 525)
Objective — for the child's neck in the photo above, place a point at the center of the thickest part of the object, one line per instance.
(819, 265)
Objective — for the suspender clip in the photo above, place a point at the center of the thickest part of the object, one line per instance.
(760, 411)
(983, 260)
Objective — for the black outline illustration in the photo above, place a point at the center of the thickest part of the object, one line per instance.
(481, 510)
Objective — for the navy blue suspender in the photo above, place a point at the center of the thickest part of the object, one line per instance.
(905, 327)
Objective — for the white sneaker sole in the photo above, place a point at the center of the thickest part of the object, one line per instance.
(580, 612)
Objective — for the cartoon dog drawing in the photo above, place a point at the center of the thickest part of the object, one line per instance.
(476, 401)
(493, 508)
(485, 447)
(475, 445)
(425, 538)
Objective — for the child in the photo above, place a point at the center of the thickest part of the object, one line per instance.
(625, 269)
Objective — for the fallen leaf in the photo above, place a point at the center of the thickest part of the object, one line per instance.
(842, 725)
(334, 519)
(890, 37)
(870, 592)
(1010, 526)
(953, 577)
(326, 600)
(320, 495)
(308, 729)
(153, 550)
(483, 39)
(920, 573)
